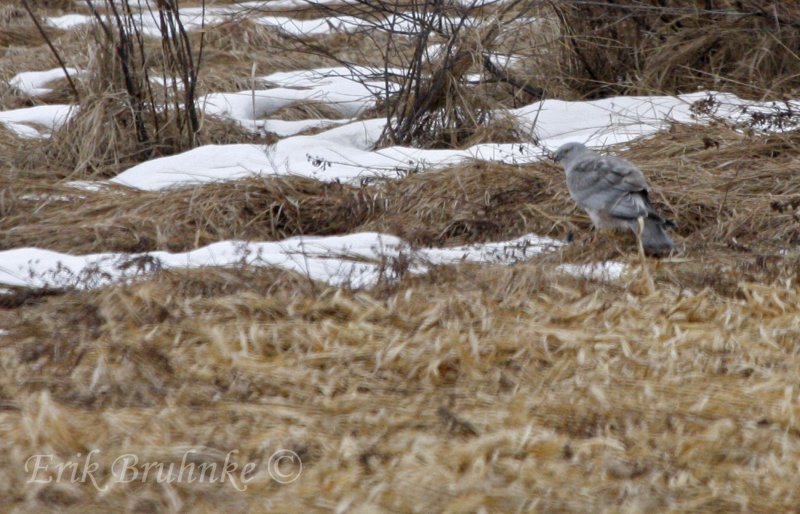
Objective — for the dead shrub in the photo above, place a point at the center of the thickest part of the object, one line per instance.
(434, 104)
(124, 117)
(748, 47)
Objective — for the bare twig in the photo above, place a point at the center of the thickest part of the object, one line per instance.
(63, 66)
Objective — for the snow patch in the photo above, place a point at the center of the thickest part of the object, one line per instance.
(345, 153)
(353, 259)
(607, 270)
(32, 82)
(37, 121)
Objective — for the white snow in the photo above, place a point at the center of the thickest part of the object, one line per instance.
(620, 119)
(349, 91)
(345, 153)
(285, 128)
(68, 21)
(314, 27)
(353, 259)
(506, 60)
(504, 252)
(32, 82)
(194, 18)
(207, 163)
(341, 92)
(36, 121)
(608, 270)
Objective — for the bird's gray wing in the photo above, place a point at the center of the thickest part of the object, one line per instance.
(614, 186)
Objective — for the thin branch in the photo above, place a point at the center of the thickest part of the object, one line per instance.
(501, 76)
(52, 49)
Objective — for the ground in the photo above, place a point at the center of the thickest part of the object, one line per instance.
(503, 384)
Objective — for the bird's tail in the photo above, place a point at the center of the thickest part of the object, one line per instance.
(655, 239)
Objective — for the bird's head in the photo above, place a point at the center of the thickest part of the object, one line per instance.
(567, 152)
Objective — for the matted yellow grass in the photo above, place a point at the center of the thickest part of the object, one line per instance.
(473, 389)
(467, 389)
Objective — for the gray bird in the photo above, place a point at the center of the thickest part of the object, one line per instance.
(613, 191)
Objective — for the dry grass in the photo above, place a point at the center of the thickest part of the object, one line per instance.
(748, 47)
(466, 203)
(306, 110)
(724, 188)
(185, 219)
(733, 196)
(434, 104)
(475, 387)
(472, 388)
(233, 50)
(10, 145)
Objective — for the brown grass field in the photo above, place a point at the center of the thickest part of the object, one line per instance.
(468, 389)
